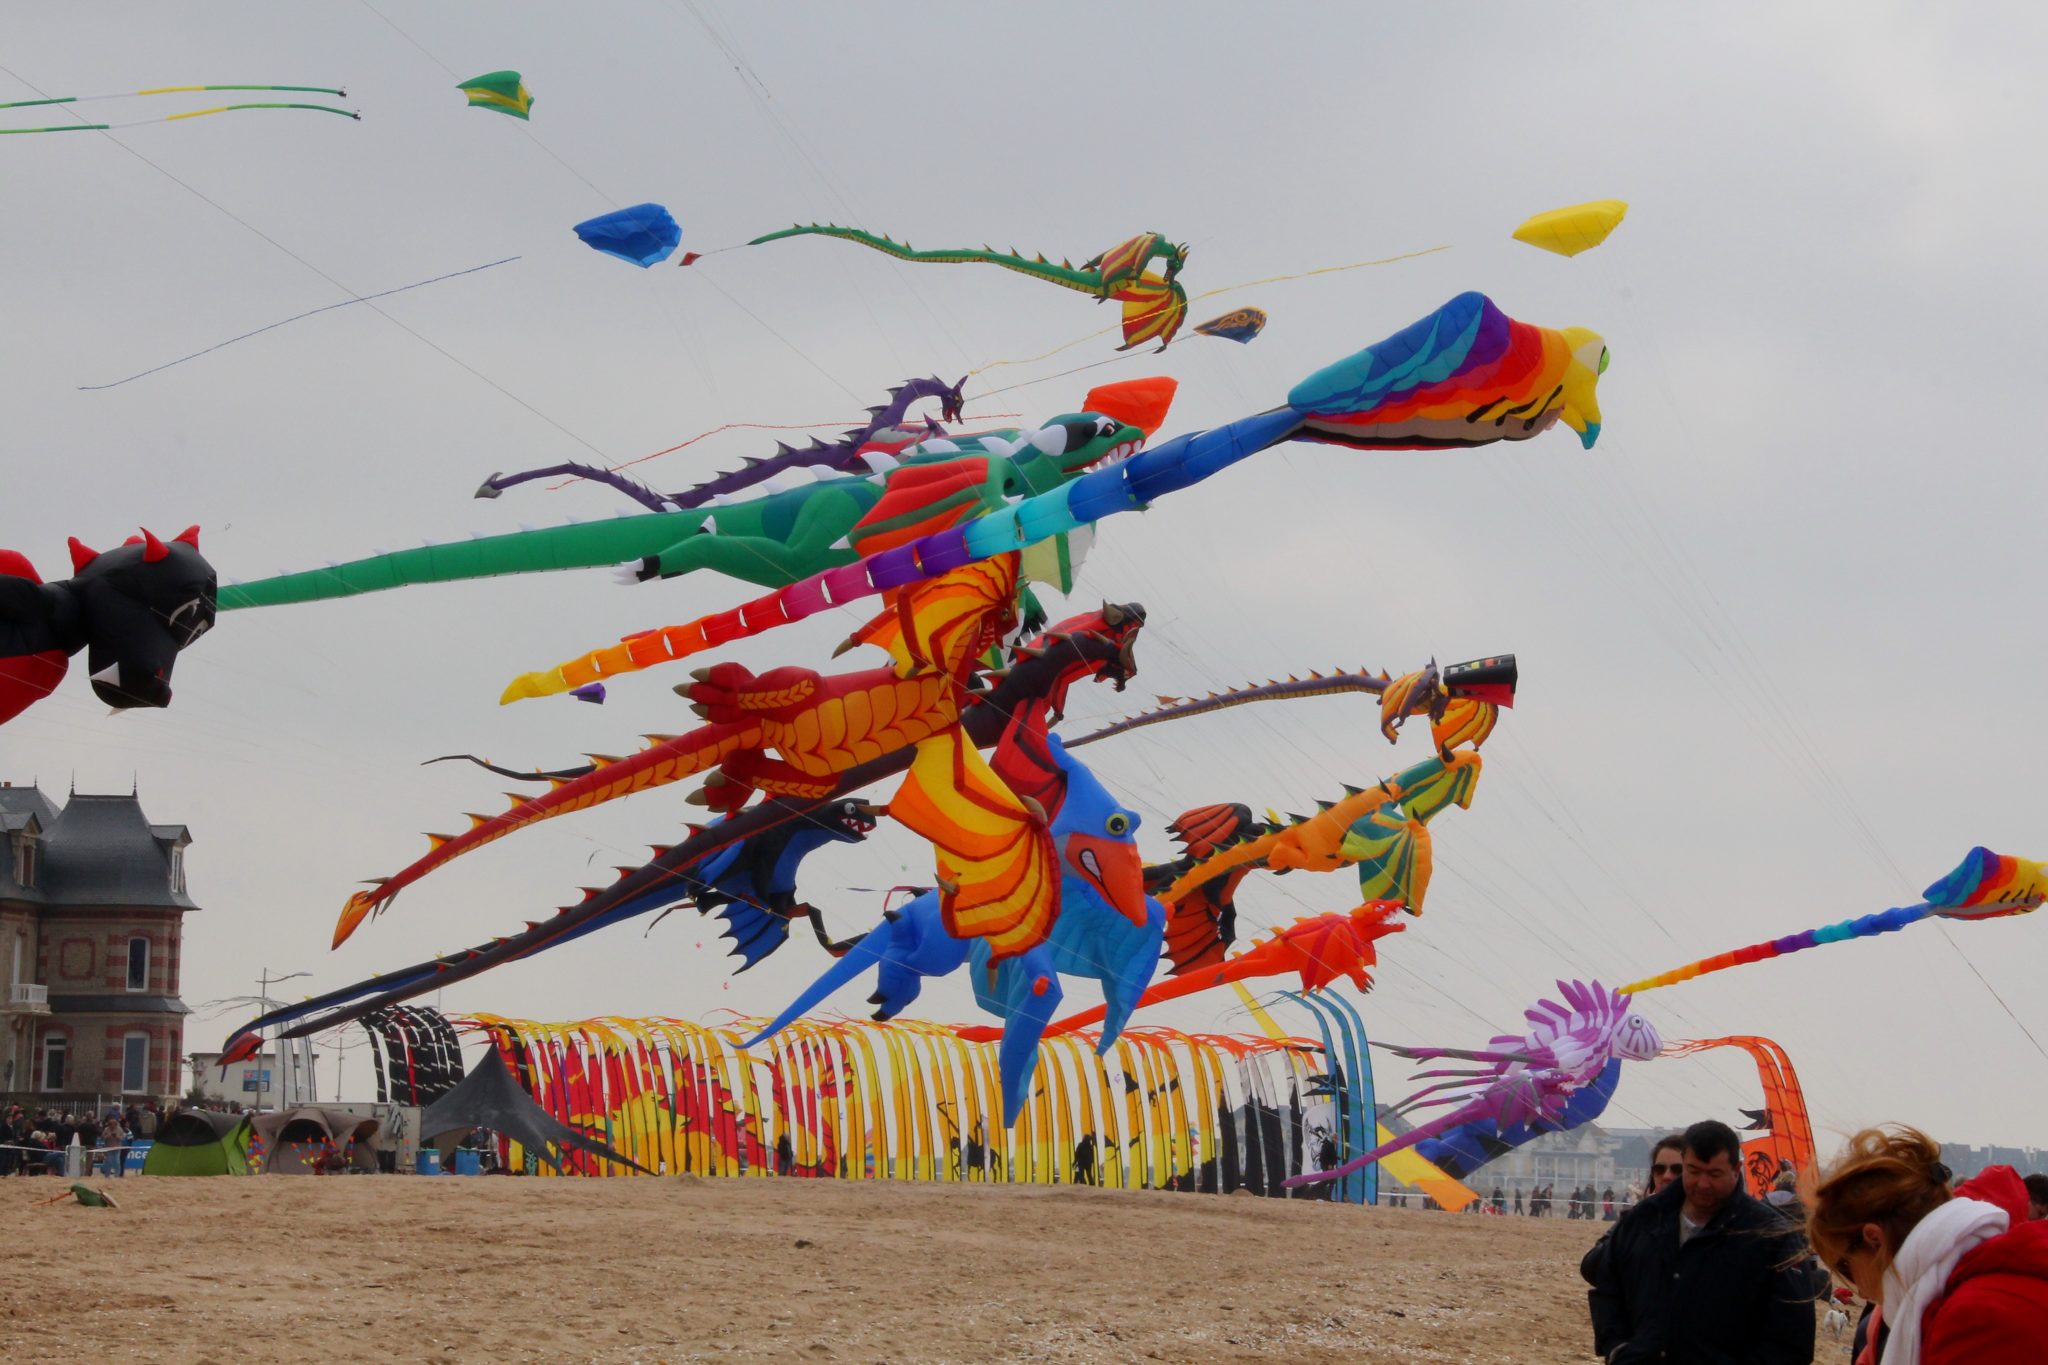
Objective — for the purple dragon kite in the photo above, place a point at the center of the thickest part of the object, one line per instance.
(1525, 1079)
(883, 435)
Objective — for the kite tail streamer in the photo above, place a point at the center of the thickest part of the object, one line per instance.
(1985, 885)
(174, 118)
(1867, 926)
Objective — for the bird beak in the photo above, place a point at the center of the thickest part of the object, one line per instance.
(1114, 868)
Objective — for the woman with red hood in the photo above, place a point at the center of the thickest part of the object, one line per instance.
(1959, 1277)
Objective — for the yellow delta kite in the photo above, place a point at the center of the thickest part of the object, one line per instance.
(1571, 230)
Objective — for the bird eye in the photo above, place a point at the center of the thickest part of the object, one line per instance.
(1118, 823)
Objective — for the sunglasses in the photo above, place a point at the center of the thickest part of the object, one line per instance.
(1675, 1168)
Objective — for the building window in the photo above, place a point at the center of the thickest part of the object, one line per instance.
(55, 1045)
(25, 860)
(178, 870)
(138, 964)
(135, 1064)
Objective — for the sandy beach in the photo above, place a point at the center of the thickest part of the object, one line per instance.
(421, 1269)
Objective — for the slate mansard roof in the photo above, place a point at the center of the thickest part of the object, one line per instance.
(94, 851)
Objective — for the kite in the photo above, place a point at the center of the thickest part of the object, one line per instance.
(490, 1097)
(84, 1195)
(1985, 885)
(1383, 830)
(1528, 1079)
(1463, 1149)
(872, 448)
(909, 1100)
(1035, 686)
(1463, 701)
(779, 537)
(1466, 375)
(1239, 325)
(643, 235)
(819, 726)
(1569, 231)
(1319, 949)
(173, 118)
(1786, 1131)
(1105, 928)
(131, 610)
(501, 91)
(1154, 304)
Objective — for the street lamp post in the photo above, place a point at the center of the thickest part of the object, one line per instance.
(263, 995)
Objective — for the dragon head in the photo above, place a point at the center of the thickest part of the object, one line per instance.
(1095, 644)
(1114, 423)
(143, 602)
(1076, 442)
(848, 822)
(1581, 380)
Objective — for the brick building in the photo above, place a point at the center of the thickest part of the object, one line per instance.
(92, 904)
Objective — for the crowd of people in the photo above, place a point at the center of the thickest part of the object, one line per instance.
(1701, 1273)
(34, 1143)
(1583, 1202)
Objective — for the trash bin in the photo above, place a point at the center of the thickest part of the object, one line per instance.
(138, 1152)
(429, 1162)
(468, 1162)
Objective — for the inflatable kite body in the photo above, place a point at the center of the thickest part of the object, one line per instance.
(1154, 304)
(1240, 325)
(1319, 950)
(1528, 1079)
(501, 91)
(1383, 830)
(643, 235)
(1097, 645)
(131, 609)
(751, 885)
(1106, 928)
(815, 726)
(772, 539)
(1568, 231)
(1466, 375)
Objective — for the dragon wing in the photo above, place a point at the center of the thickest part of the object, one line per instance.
(998, 872)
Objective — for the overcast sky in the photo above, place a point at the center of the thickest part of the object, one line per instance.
(1780, 632)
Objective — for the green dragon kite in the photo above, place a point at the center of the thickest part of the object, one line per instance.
(1155, 305)
(779, 538)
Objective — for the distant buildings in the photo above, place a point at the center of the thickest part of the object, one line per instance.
(92, 907)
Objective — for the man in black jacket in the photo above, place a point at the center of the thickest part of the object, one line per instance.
(1702, 1274)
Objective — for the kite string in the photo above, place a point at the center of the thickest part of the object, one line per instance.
(325, 308)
